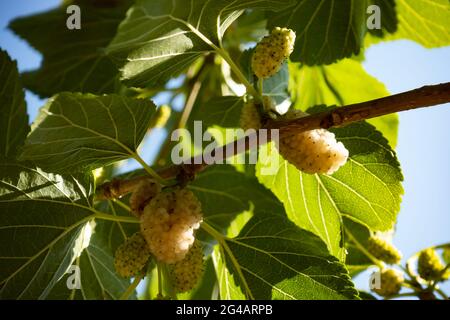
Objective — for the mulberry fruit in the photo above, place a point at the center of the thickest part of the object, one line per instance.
(272, 51)
(168, 224)
(315, 151)
(131, 256)
(250, 118)
(142, 195)
(446, 255)
(383, 250)
(430, 266)
(185, 274)
(390, 283)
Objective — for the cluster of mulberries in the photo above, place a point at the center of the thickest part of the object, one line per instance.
(430, 266)
(383, 250)
(142, 195)
(131, 256)
(168, 223)
(315, 151)
(390, 283)
(185, 274)
(272, 51)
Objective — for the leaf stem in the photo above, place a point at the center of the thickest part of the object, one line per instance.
(221, 239)
(405, 294)
(114, 213)
(377, 262)
(409, 285)
(260, 86)
(441, 293)
(131, 288)
(110, 217)
(121, 204)
(224, 54)
(237, 71)
(190, 102)
(160, 284)
(149, 170)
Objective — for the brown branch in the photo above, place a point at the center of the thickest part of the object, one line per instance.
(419, 98)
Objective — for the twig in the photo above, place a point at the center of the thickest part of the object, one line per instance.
(361, 248)
(419, 98)
(193, 83)
(441, 293)
(399, 295)
(190, 104)
(131, 288)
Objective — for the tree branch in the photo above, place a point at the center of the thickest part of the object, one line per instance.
(419, 98)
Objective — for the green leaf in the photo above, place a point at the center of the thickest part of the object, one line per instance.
(225, 193)
(340, 84)
(424, 21)
(367, 189)
(222, 111)
(250, 27)
(276, 86)
(160, 38)
(113, 233)
(274, 259)
(14, 118)
(356, 260)
(228, 289)
(82, 132)
(366, 295)
(326, 30)
(74, 60)
(44, 219)
(99, 280)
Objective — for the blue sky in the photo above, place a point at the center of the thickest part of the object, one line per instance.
(423, 143)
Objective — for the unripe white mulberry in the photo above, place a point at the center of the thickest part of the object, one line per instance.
(430, 266)
(390, 283)
(142, 195)
(185, 274)
(131, 256)
(315, 151)
(383, 250)
(168, 224)
(272, 51)
(250, 118)
(446, 254)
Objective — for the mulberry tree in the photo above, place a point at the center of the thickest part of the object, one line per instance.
(299, 201)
